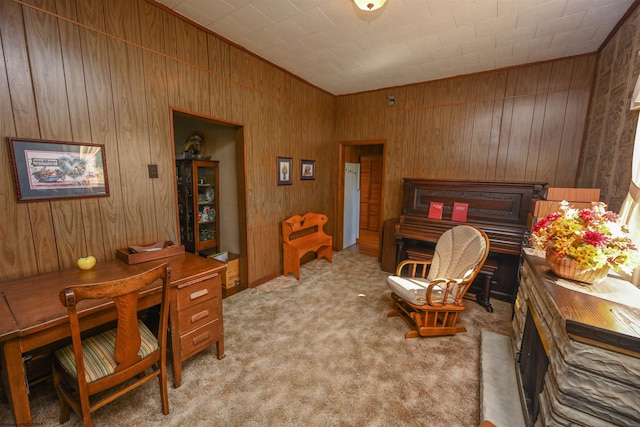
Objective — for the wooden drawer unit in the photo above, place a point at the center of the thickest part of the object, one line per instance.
(199, 315)
(196, 321)
(196, 293)
(199, 339)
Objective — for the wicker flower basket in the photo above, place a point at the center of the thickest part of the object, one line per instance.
(567, 268)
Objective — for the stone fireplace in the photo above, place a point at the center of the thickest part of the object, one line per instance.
(577, 349)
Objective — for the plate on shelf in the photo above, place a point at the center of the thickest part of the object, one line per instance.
(210, 194)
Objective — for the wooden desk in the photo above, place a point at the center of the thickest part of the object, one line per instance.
(40, 319)
(8, 327)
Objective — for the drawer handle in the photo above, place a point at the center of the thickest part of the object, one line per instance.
(202, 337)
(198, 316)
(198, 294)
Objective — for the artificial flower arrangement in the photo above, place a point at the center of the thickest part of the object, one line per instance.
(592, 237)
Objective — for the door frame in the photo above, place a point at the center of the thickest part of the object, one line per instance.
(241, 165)
(339, 229)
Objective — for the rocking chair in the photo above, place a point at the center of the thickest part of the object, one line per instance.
(428, 294)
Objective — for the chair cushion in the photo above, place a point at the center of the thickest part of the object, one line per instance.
(98, 353)
(415, 290)
(458, 251)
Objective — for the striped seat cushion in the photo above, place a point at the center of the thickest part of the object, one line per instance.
(98, 353)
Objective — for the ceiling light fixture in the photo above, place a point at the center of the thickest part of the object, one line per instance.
(369, 5)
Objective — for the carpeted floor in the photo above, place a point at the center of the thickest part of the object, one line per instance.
(316, 352)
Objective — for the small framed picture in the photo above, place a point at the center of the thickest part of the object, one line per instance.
(307, 169)
(44, 170)
(285, 164)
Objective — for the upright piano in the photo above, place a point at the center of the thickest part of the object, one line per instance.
(500, 209)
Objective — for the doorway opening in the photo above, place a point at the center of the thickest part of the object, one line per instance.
(364, 197)
(222, 142)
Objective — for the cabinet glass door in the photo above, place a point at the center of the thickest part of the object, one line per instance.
(197, 182)
(206, 205)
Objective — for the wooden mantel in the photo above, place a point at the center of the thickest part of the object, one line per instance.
(591, 337)
(588, 315)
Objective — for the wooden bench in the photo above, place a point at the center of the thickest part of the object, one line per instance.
(301, 235)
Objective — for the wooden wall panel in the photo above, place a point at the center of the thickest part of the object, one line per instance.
(519, 138)
(159, 122)
(15, 226)
(506, 125)
(43, 246)
(481, 129)
(48, 76)
(496, 123)
(127, 85)
(152, 27)
(441, 101)
(122, 19)
(110, 73)
(537, 125)
(108, 226)
(18, 71)
(219, 80)
(161, 150)
(74, 75)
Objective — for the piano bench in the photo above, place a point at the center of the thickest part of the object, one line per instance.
(489, 270)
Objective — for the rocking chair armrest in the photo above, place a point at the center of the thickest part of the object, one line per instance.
(447, 284)
(415, 268)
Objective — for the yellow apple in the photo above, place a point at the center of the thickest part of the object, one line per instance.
(86, 262)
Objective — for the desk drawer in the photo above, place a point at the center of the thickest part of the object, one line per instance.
(199, 339)
(193, 317)
(198, 292)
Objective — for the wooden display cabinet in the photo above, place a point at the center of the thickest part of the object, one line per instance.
(198, 204)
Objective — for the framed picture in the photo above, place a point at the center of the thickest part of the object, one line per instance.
(285, 165)
(44, 170)
(307, 169)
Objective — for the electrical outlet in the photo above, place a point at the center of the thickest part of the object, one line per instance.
(153, 171)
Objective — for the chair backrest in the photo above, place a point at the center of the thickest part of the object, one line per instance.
(459, 253)
(124, 293)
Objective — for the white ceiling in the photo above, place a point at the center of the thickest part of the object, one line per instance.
(337, 47)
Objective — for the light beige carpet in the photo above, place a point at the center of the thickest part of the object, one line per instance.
(316, 352)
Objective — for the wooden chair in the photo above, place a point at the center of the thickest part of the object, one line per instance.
(129, 354)
(428, 294)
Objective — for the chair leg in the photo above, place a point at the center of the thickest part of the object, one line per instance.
(64, 405)
(86, 411)
(164, 394)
